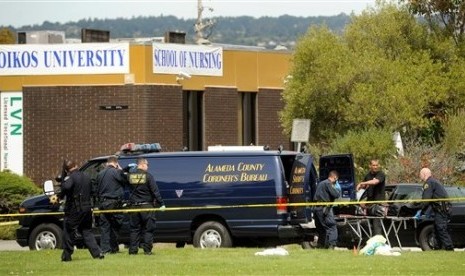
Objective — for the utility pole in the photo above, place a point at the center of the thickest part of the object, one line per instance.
(201, 26)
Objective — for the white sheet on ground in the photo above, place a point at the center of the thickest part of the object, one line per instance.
(279, 251)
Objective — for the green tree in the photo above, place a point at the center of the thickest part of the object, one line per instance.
(402, 84)
(454, 138)
(365, 145)
(323, 68)
(385, 71)
(443, 16)
(7, 36)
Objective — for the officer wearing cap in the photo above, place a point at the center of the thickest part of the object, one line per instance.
(144, 194)
(110, 191)
(433, 189)
(76, 190)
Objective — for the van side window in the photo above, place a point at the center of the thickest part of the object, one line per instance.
(288, 162)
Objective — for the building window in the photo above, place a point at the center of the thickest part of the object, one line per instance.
(193, 119)
(248, 118)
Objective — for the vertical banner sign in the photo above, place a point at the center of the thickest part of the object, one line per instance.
(12, 132)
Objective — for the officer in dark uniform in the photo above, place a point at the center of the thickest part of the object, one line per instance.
(144, 194)
(433, 189)
(110, 190)
(326, 191)
(76, 190)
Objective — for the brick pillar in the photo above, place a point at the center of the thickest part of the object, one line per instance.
(270, 132)
(165, 121)
(220, 117)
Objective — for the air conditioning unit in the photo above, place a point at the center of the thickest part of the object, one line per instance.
(41, 37)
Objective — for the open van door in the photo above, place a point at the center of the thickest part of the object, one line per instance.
(302, 184)
(344, 165)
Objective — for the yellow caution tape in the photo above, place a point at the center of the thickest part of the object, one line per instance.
(304, 204)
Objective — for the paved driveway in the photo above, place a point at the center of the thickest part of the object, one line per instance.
(11, 245)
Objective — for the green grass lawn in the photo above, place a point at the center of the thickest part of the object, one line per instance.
(237, 261)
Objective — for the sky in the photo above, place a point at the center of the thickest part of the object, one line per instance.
(19, 13)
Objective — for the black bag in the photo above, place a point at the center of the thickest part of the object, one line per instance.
(376, 210)
(403, 209)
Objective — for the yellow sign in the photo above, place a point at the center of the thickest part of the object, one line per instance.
(137, 178)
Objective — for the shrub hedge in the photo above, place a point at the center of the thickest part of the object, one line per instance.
(13, 190)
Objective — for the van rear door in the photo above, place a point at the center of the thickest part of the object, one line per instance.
(302, 183)
(344, 165)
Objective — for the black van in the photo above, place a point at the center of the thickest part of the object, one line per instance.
(218, 198)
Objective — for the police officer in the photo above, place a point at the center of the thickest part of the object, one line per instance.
(76, 190)
(327, 191)
(144, 194)
(433, 189)
(110, 191)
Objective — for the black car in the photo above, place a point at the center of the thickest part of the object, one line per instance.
(423, 234)
(411, 233)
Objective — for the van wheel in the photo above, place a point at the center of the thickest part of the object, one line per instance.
(212, 234)
(426, 238)
(46, 236)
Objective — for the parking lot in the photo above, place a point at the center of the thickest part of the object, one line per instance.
(11, 245)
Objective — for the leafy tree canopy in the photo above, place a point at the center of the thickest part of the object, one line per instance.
(446, 17)
(7, 36)
(385, 71)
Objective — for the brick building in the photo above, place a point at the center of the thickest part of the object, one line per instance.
(82, 115)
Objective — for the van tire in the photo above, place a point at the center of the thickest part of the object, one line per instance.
(212, 234)
(426, 238)
(46, 236)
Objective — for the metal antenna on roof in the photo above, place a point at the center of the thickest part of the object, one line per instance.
(201, 26)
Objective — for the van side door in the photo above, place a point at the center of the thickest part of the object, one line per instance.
(302, 184)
